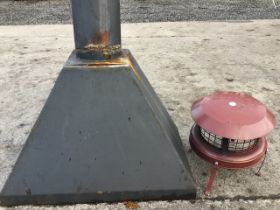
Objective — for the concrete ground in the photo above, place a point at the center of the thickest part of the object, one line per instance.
(58, 11)
(183, 61)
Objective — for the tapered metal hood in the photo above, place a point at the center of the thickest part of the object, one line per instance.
(103, 134)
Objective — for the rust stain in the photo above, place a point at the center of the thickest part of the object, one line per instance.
(131, 205)
(107, 51)
(102, 38)
(124, 59)
(101, 43)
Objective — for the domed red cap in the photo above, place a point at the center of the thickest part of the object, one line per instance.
(233, 115)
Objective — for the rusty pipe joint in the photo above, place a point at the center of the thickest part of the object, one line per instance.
(97, 28)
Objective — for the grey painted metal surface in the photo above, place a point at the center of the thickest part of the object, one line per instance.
(103, 135)
(96, 22)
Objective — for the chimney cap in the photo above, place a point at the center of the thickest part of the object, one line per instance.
(233, 115)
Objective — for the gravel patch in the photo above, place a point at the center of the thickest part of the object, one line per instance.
(58, 11)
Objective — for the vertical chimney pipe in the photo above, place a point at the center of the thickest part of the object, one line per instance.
(97, 25)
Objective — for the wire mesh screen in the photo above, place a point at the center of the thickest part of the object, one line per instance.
(233, 145)
(211, 138)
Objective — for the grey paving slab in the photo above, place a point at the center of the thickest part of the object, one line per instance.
(183, 61)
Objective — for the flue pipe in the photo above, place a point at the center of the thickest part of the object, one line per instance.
(97, 26)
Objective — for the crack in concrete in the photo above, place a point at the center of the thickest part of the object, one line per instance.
(245, 198)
